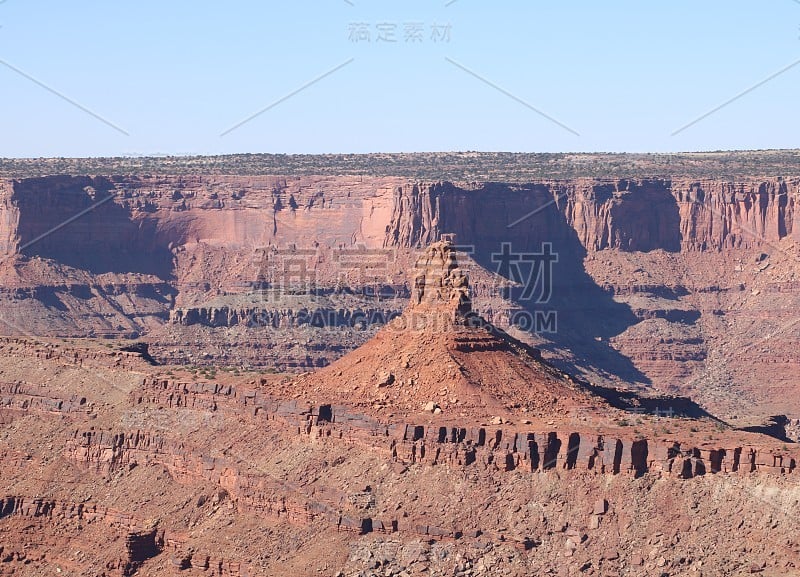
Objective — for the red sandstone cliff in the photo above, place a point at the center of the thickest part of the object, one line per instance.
(627, 215)
(657, 280)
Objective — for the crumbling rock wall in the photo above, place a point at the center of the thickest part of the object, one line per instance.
(496, 451)
(71, 355)
(18, 398)
(463, 446)
(629, 215)
(271, 318)
(141, 542)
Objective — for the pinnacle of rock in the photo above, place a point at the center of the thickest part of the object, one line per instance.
(440, 287)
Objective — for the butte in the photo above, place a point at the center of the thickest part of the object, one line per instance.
(440, 356)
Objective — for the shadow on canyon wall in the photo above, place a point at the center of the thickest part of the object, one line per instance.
(78, 222)
(509, 229)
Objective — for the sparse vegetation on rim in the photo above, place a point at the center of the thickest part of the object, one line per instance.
(457, 166)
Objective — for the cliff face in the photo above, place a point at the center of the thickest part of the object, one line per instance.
(657, 281)
(59, 216)
(104, 256)
(626, 215)
(9, 220)
(126, 216)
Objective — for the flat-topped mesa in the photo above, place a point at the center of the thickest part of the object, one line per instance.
(441, 289)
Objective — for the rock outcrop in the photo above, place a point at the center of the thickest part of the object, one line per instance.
(462, 444)
(485, 368)
(627, 215)
(669, 265)
(265, 474)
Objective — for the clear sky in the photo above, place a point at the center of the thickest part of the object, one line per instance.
(460, 75)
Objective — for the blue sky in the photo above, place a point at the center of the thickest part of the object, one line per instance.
(175, 75)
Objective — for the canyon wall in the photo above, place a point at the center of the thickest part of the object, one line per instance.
(9, 220)
(130, 217)
(461, 445)
(628, 215)
(658, 282)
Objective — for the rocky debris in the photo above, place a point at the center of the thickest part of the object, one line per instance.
(600, 507)
(792, 430)
(478, 499)
(430, 407)
(385, 379)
